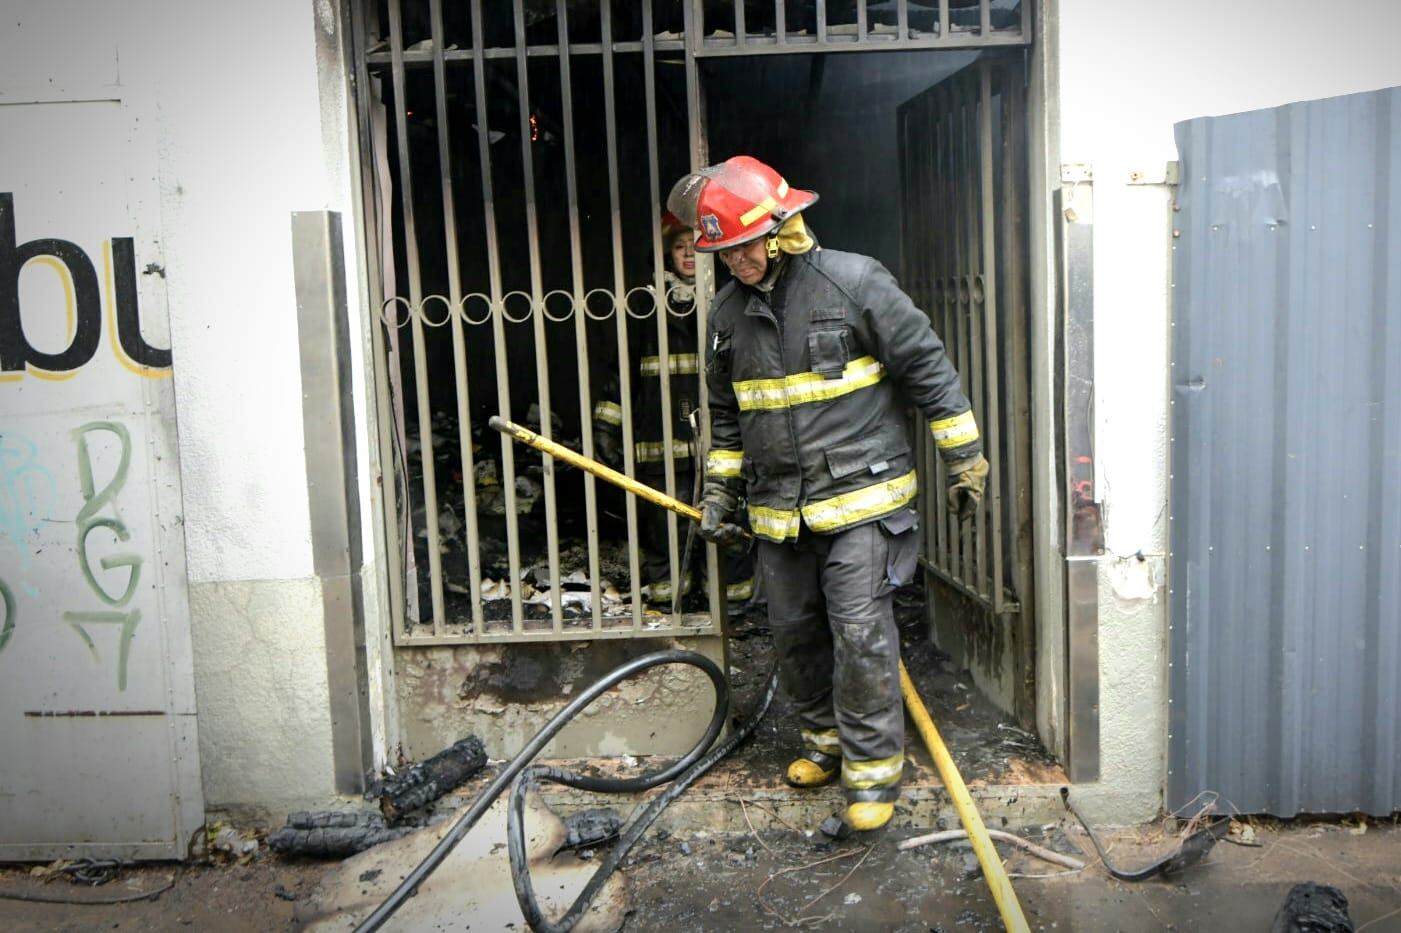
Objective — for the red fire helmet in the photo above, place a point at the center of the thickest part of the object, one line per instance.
(739, 200)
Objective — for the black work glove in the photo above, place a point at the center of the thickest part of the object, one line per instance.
(966, 481)
(717, 506)
(607, 448)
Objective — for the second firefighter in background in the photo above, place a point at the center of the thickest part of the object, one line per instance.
(648, 410)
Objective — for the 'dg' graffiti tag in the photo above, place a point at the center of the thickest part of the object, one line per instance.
(90, 518)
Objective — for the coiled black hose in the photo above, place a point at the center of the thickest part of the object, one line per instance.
(685, 772)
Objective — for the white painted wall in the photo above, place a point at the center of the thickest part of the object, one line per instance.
(1128, 70)
(250, 124)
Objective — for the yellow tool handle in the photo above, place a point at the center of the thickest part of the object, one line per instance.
(998, 882)
(560, 452)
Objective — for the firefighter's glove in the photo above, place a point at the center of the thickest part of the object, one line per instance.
(607, 448)
(966, 481)
(717, 507)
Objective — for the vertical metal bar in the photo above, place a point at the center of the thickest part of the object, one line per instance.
(821, 22)
(459, 347)
(425, 413)
(984, 18)
(740, 30)
(619, 289)
(902, 19)
(542, 361)
(705, 278)
(861, 20)
(780, 22)
(581, 333)
(955, 265)
(943, 19)
(498, 329)
(649, 78)
(991, 345)
(1024, 23)
(935, 173)
(375, 233)
(974, 537)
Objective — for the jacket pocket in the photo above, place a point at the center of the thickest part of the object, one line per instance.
(875, 455)
(828, 353)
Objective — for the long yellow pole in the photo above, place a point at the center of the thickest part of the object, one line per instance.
(560, 452)
(998, 882)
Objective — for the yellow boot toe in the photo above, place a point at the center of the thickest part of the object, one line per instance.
(805, 773)
(868, 814)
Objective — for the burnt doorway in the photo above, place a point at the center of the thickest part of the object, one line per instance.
(514, 160)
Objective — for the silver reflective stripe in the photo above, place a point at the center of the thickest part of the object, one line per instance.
(852, 507)
(860, 775)
(655, 451)
(724, 463)
(828, 741)
(680, 364)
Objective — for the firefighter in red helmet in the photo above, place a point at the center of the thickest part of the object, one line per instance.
(814, 357)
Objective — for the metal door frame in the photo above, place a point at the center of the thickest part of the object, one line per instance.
(461, 306)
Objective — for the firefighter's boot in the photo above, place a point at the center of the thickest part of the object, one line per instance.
(872, 787)
(868, 814)
(813, 769)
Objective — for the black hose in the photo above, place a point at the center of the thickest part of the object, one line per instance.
(695, 763)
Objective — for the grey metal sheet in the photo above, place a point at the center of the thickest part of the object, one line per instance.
(1285, 590)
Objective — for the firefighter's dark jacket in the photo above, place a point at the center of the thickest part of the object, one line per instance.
(808, 391)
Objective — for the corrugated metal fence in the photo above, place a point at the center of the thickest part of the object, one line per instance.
(1286, 459)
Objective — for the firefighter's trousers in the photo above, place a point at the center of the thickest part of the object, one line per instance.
(833, 622)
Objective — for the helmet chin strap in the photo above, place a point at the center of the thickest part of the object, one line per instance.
(771, 247)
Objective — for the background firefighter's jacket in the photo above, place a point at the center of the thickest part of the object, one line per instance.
(808, 391)
(645, 375)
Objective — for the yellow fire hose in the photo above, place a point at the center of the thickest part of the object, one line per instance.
(998, 882)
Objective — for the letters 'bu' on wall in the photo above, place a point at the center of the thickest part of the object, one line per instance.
(98, 723)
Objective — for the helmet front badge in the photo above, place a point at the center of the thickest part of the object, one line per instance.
(710, 226)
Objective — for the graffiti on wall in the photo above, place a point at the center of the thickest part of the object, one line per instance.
(84, 306)
(100, 511)
(27, 497)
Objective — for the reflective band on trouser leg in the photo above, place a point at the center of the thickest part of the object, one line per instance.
(873, 780)
(724, 463)
(774, 524)
(826, 741)
(655, 451)
(680, 364)
(950, 433)
(741, 590)
(852, 507)
(608, 413)
(801, 388)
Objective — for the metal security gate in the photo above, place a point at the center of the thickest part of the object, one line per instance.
(964, 167)
(512, 155)
(1285, 563)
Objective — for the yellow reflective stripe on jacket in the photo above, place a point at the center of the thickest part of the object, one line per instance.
(774, 524)
(741, 590)
(827, 741)
(950, 433)
(863, 775)
(679, 364)
(724, 463)
(801, 388)
(852, 507)
(655, 451)
(608, 413)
